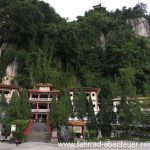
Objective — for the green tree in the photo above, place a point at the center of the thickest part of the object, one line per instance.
(63, 112)
(25, 105)
(60, 111)
(92, 123)
(80, 104)
(14, 109)
(3, 106)
(3, 103)
(127, 90)
(65, 108)
(130, 108)
(68, 103)
(127, 79)
(104, 116)
(53, 114)
(125, 116)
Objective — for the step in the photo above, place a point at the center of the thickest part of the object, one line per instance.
(39, 133)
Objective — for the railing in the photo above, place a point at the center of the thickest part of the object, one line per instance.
(40, 110)
(40, 99)
(28, 129)
(48, 127)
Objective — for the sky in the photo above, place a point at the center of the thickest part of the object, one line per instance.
(73, 8)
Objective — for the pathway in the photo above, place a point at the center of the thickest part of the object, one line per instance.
(38, 133)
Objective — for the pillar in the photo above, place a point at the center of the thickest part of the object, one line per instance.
(30, 95)
(48, 106)
(38, 95)
(36, 117)
(47, 116)
(48, 97)
(37, 105)
(82, 127)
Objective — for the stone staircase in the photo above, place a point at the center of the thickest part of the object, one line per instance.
(39, 133)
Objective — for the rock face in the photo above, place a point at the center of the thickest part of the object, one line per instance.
(140, 26)
(101, 42)
(11, 72)
(2, 47)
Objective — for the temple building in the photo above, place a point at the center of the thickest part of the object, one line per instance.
(40, 99)
(8, 90)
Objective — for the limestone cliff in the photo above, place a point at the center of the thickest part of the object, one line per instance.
(2, 47)
(140, 26)
(11, 72)
(101, 42)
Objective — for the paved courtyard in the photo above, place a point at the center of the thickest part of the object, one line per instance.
(108, 145)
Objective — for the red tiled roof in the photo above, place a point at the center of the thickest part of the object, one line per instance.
(39, 91)
(86, 89)
(10, 87)
(77, 123)
(44, 85)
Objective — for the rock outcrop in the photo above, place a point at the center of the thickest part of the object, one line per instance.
(2, 47)
(140, 26)
(101, 42)
(11, 72)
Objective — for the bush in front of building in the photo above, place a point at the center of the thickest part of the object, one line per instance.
(92, 134)
(71, 135)
(106, 131)
(21, 125)
(86, 135)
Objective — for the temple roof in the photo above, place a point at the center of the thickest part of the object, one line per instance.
(44, 85)
(86, 89)
(4, 86)
(77, 123)
(39, 91)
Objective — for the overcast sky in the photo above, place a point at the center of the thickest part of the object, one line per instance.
(73, 8)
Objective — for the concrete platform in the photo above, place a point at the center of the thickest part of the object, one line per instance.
(50, 146)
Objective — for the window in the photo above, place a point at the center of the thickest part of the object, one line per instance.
(43, 106)
(34, 96)
(93, 105)
(93, 94)
(33, 105)
(43, 96)
(71, 95)
(87, 94)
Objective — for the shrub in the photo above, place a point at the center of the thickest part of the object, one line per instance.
(20, 126)
(92, 134)
(71, 135)
(86, 135)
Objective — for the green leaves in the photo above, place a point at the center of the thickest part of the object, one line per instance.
(91, 123)
(60, 111)
(25, 104)
(80, 104)
(14, 110)
(89, 51)
(3, 103)
(53, 115)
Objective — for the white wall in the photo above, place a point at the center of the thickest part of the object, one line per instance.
(44, 89)
(94, 98)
